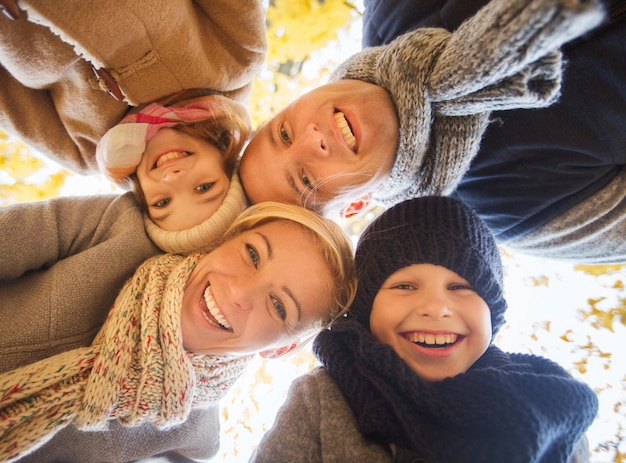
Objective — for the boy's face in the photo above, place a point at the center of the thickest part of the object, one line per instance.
(261, 289)
(433, 319)
(182, 178)
(340, 136)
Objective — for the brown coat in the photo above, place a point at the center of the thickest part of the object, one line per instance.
(51, 98)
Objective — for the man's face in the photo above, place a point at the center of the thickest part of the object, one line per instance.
(339, 139)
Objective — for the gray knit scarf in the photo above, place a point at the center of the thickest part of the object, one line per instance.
(445, 85)
(136, 370)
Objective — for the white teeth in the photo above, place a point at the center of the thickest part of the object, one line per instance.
(347, 134)
(169, 156)
(433, 339)
(217, 314)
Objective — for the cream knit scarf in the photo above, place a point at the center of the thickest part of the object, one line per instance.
(135, 371)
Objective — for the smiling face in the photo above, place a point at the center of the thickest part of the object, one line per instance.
(262, 289)
(433, 319)
(182, 178)
(339, 139)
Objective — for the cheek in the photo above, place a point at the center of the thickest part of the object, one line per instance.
(381, 324)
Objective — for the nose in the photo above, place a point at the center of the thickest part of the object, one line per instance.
(244, 292)
(434, 305)
(312, 143)
(173, 175)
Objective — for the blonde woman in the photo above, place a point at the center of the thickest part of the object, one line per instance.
(177, 337)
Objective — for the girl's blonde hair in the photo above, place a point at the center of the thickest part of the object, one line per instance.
(331, 241)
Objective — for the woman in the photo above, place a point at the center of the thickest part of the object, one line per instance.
(179, 334)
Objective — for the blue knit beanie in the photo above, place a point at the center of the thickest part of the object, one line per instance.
(429, 230)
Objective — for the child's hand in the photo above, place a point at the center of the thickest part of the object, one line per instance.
(120, 150)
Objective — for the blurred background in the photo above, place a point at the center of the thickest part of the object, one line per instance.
(573, 314)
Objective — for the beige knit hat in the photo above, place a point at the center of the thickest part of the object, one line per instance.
(205, 235)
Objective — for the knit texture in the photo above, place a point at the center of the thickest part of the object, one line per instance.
(505, 408)
(136, 370)
(430, 230)
(444, 85)
(206, 235)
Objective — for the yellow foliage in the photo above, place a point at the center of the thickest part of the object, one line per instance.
(600, 269)
(295, 28)
(540, 281)
(22, 168)
(605, 318)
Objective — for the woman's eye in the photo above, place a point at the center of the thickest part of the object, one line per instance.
(254, 255)
(204, 187)
(162, 203)
(306, 182)
(284, 136)
(280, 308)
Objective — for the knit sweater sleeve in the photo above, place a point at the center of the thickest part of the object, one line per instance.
(294, 437)
(316, 424)
(39, 234)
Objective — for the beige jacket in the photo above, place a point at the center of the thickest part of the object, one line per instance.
(156, 50)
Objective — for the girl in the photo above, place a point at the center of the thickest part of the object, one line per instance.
(178, 336)
(414, 376)
(179, 161)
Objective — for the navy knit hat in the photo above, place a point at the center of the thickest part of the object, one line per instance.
(434, 230)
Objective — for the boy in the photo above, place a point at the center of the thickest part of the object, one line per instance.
(414, 376)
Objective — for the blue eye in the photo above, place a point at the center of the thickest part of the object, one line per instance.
(460, 287)
(284, 136)
(280, 308)
(306, 182)
(162, 203)
(404, 286)
(204, 187)
(254, 255)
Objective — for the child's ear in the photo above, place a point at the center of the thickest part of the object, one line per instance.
(356, 206)
(279, 352)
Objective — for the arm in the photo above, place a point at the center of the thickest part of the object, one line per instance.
(384, 20)
(295, 435)
(40, 234)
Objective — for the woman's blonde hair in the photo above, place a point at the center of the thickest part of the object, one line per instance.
(331, 241)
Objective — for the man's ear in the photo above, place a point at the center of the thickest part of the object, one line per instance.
(279, 352)
(356, 206)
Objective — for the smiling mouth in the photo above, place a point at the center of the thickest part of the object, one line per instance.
(433, 341)
(346, 130)
(171, 156)
(212, 313)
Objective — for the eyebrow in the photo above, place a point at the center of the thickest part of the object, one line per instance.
(285, 289)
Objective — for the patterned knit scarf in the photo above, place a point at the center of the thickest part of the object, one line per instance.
(135, 371)
(445, 84)
(506, 408)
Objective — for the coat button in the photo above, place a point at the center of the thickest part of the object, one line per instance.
(10, 9)
(108, 83)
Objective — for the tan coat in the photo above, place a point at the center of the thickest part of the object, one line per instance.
(51, 98)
